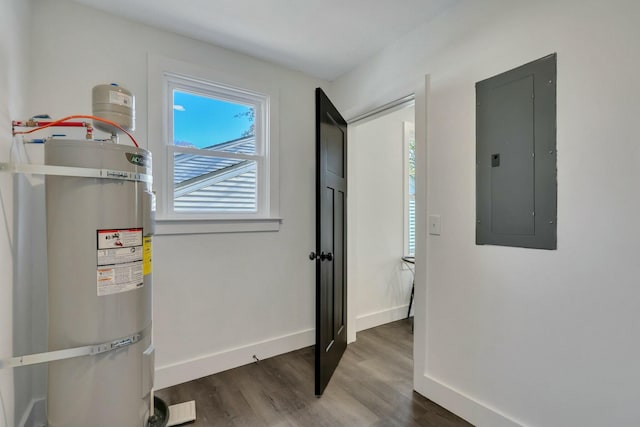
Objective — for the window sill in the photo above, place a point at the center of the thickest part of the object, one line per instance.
(180, 226)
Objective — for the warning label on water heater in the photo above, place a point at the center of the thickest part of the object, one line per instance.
(120, 260)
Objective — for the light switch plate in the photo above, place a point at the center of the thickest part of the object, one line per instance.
(435, 226)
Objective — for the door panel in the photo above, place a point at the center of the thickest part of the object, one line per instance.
(335, 138)
(331, 286)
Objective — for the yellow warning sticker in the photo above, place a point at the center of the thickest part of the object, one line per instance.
(146, 258)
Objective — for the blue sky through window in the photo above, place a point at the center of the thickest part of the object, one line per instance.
(200, 121)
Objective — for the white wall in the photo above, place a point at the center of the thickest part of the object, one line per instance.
(380, 283)
(218, 298)
(14, 37)
(511, 336)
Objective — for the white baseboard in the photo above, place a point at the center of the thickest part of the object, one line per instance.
(35, 415)
(477, 413)
(371, 320)
(177, 373)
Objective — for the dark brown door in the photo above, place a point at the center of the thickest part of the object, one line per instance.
(330, 256)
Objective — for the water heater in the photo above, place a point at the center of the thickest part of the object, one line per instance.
(99, 227)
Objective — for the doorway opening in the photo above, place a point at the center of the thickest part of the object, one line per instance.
(381, 215)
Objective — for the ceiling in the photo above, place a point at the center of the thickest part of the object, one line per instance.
(323, 38)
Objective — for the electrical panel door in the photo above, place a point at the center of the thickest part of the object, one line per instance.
(516, 189)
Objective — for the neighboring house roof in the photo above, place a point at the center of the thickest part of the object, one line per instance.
(216, 183)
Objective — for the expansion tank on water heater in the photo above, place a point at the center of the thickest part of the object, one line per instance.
(99, 261)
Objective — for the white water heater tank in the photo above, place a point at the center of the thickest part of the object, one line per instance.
(99, 263)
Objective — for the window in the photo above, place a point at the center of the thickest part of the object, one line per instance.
(410, 188)
(216, 151)
(217, 148)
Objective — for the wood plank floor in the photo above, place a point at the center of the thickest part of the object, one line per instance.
(372, 387)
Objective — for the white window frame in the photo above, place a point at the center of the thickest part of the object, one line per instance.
(166, 75)
(408, 134)
(260, 102)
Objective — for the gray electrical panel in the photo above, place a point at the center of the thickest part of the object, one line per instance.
(516, 178)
